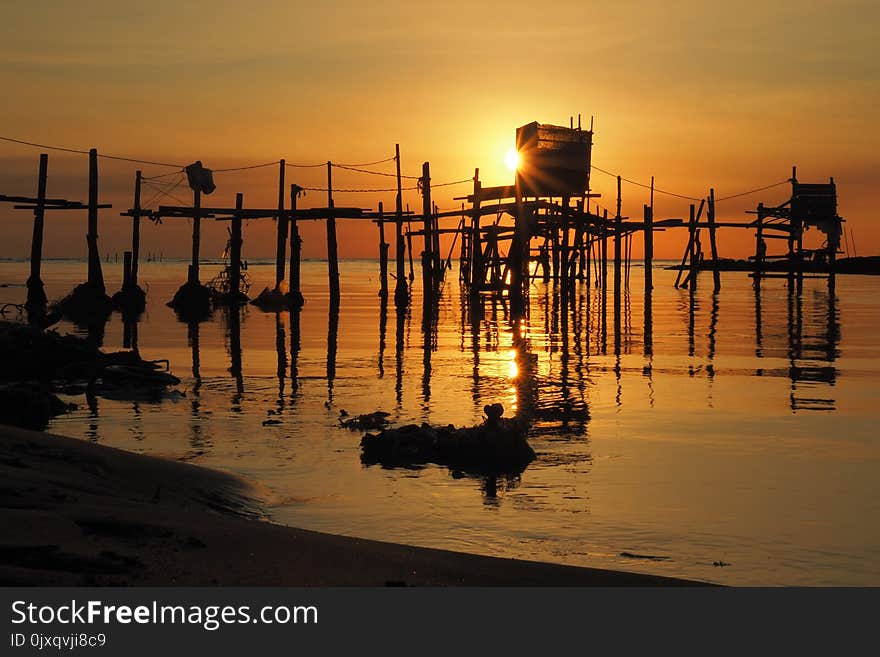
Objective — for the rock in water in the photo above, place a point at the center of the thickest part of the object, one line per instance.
(498, 446)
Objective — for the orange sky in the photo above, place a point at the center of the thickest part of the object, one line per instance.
(697, 95)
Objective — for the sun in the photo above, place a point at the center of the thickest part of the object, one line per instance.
(512, 159)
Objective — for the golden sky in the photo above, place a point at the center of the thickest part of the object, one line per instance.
(697, 94)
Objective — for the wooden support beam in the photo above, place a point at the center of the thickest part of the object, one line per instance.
(96, 275)
(281, 231)
(295, 249)
(401, 291)
(710, 215)
(196, 237)
(235, 243)
(136, 229)
(383, 256)
(36, 294)
(617, 281)
(332, 255)
(427, 255)
(477, 274)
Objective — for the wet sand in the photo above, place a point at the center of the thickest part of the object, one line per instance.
(77, 513)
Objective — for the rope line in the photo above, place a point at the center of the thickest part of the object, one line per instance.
(252, 166)
(82, 152)
(753, 191)
(292, 165)
(375, 173)
(369, 164)
(357, 168)
(639, 184)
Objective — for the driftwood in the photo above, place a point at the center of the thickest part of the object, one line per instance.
(498, 446)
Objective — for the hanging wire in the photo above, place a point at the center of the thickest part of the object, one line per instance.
(252, 166)
(165, 192)
(375, 173)
(639, 184)
(387, 189)
(82, 152)
(304, 166)
(753, 191)
(369, 164)
(161, 175)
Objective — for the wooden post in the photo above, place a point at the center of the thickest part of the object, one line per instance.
(136, 229)
(649, 249)
(96, 276)
(716, 272)
(235, 243)
(281, 227)
(427, 256)
(332, 257)
(477, 275)
(617, 286)
(760, 246)
(126, 270)
(295, 249)
(383, 255)
(604, 254)
(196, 237)
(401, 292)
(695, 256)
(36, 295)
(517, 258)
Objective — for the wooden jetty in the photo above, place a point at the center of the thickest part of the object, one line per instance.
(546, 224)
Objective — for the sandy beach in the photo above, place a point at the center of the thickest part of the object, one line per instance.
(77, 513)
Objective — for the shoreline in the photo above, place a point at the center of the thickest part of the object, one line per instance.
(82, 514)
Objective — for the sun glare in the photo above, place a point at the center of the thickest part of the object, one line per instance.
(511, 159)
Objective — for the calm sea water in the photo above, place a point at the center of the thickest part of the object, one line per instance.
(746, 436)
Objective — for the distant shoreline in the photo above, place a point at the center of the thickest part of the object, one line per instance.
(78, 513)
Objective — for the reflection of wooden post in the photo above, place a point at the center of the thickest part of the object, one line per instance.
(136, 229)
(332, 257)
(281, 228)
(716, 272)
(383, 255)
(196, 237)
(36, 295)
(401, 293)
(295, 248)
(96, 276)
(235, 253)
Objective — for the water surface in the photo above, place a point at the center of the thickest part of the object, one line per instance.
(743, 434)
